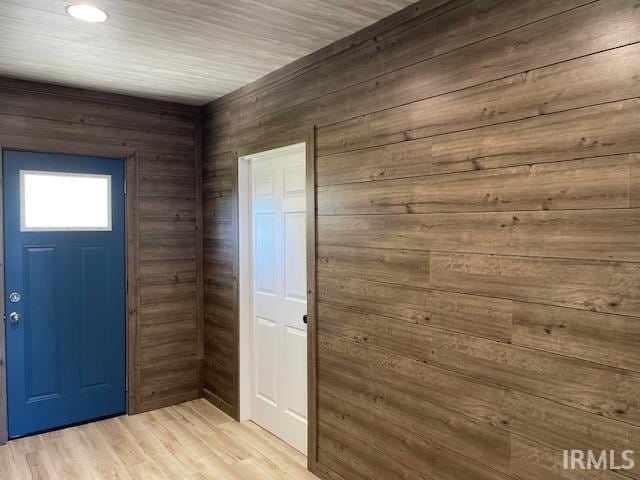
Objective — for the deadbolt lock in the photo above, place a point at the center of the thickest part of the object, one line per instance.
(14, 297)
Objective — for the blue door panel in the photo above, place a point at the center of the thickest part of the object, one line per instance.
(95, 318)
(40, 333)
(66, 356)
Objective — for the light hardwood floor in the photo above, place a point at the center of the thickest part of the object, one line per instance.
(193, 441)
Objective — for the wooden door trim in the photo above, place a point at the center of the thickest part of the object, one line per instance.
(132, 254)
(312, 306)
(132, 249)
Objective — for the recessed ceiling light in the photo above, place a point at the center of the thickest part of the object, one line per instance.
(87, 13)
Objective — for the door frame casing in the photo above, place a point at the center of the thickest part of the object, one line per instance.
(309, 139)
(245, 294)
(132, 245)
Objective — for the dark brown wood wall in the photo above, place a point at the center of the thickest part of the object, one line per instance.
(159, 138)
(478, 237)
(220, 365)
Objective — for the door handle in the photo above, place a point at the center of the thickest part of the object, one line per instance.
(304, 318)
(15, 317)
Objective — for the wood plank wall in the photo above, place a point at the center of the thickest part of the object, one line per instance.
(220, 384)
(478, 237)
(161, 137)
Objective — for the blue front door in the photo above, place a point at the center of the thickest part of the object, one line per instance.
(64, 289)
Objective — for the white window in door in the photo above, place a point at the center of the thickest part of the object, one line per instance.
(279, 255)
(60, 201)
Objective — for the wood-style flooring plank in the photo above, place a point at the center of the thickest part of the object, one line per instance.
(193, 440)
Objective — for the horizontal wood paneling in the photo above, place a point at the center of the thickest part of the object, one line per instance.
(489, 318)
(423, 457)
(536, 92)
(220, 329)
(25, 99)
(596, 337)
(540, 42)
(446, 28)
(596, 388)
(544, 421)
(584, 284)
(477, 195)
(405, 267)
(166, 207)
(560, 234)
(56, 119)
(573, 185)
(476, 440)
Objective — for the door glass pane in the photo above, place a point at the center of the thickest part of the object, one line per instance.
(51, 201)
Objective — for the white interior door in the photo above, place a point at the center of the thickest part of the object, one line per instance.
(279, 256)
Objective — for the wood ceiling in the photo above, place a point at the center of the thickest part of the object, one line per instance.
(178, 50)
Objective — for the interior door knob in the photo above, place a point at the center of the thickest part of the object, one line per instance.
(304, 318)
(15, 317)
